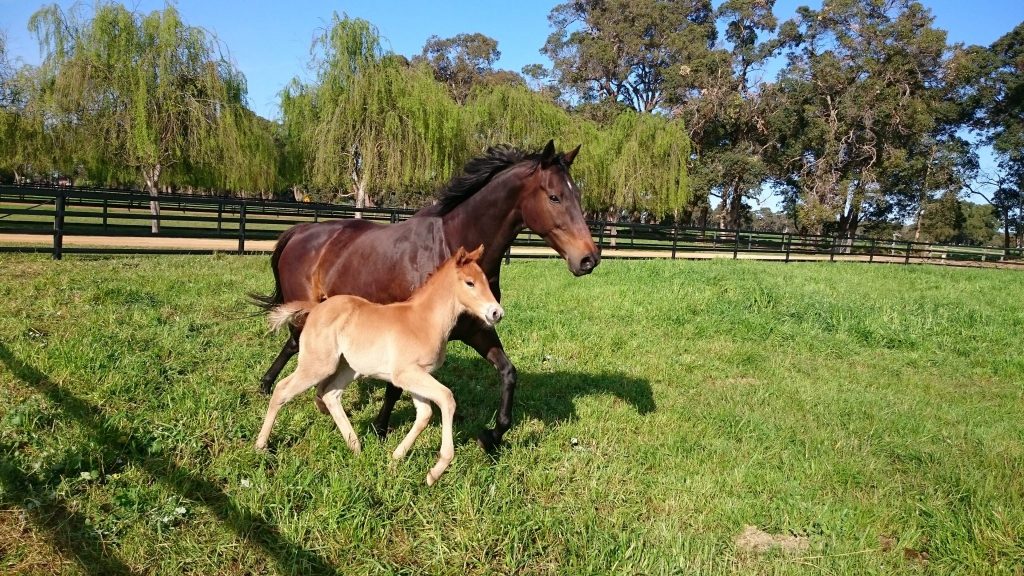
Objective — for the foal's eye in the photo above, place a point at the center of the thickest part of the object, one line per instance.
(554, 198)
(470, 283)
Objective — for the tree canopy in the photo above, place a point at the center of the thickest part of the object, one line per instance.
(874, 122)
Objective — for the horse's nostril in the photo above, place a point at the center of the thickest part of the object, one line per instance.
(587, 264)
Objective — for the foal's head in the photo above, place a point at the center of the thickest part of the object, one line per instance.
(472, 289)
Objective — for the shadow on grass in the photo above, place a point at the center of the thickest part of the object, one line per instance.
(133, 445)
(548, 396)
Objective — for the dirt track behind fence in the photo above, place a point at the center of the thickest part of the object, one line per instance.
(231, 245)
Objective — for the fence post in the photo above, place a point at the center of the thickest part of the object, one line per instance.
(220, 215)
(906, 259)
(736, 245)
(871, 255)
(832, 248)
(104, 215)
(789, 243)
(675, 238)
(600, 234)
(241, 228)
(58, 226)
(508, 255)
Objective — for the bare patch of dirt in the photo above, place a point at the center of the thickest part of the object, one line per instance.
(753, 540)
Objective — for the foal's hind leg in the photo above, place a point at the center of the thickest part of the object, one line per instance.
(331, 396)
(423, 413)
(305, 377)
(423, 384)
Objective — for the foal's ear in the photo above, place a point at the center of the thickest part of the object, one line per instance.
(568, 157)
(547, 156)
(476, 254)
(460, 257)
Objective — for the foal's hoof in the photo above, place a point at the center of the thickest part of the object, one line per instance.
(267, 386)
(488, 441)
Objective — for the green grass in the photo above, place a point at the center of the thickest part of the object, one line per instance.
(874, 410)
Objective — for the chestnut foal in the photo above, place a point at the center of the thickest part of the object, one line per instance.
(345, 337)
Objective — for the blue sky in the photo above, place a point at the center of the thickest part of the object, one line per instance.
(269, 40)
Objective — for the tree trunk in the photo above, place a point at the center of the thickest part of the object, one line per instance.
(360, 186)
(924, 194)
(735, 203)
(152, 175)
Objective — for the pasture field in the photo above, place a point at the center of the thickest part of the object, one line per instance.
(870, 414)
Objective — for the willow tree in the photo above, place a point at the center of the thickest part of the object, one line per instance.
(635, 162)
(140, 92)
(370, 124)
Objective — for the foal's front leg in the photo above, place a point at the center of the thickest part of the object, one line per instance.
(422, 384)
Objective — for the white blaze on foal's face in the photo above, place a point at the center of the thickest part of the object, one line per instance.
(474, 290)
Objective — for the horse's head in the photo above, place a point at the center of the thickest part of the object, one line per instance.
(550, 204)
(472, 288)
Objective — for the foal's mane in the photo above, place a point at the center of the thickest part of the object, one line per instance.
(478, 172)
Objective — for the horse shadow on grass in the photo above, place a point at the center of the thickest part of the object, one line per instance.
(546, 395)
(117, 445)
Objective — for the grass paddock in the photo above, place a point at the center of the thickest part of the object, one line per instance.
(873, 413)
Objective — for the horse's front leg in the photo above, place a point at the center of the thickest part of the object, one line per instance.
(486, 342)
(381, 424)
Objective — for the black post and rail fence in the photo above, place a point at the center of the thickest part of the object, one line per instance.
(112, 218)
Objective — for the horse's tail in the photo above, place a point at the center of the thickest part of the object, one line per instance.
(267, 303)
(293, 313)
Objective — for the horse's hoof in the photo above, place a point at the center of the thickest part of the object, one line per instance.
(488, 441)
(380, 431)
(266, 387)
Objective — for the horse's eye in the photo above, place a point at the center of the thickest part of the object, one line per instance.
(554, 198)
(470, 283)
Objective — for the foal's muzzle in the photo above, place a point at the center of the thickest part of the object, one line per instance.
(494, 314)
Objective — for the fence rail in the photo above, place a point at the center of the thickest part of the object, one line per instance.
(80, 212)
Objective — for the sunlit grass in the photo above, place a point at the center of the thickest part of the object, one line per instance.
(663, 406)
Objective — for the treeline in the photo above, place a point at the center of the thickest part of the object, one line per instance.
(858, 118)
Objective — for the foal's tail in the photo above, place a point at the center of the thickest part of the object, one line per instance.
(293, 313)
(267, 303)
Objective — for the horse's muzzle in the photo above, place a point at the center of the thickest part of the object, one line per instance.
(586, 264)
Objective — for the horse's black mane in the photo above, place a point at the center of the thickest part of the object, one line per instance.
(478, 172)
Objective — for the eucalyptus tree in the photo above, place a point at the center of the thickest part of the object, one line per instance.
(370, 124)
(995, 103)
(861, 89)
(727, 107)
(139, 93)
(461, 62)
(626, 50)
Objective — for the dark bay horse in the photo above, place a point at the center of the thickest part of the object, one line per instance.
(497, 195)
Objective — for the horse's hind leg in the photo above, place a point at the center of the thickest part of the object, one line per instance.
(330, 394)
(423, 413)
(291, 347)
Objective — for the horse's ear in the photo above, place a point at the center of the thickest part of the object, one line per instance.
(568, 157)
(460, 257)
(547, 156)
(476, 254)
